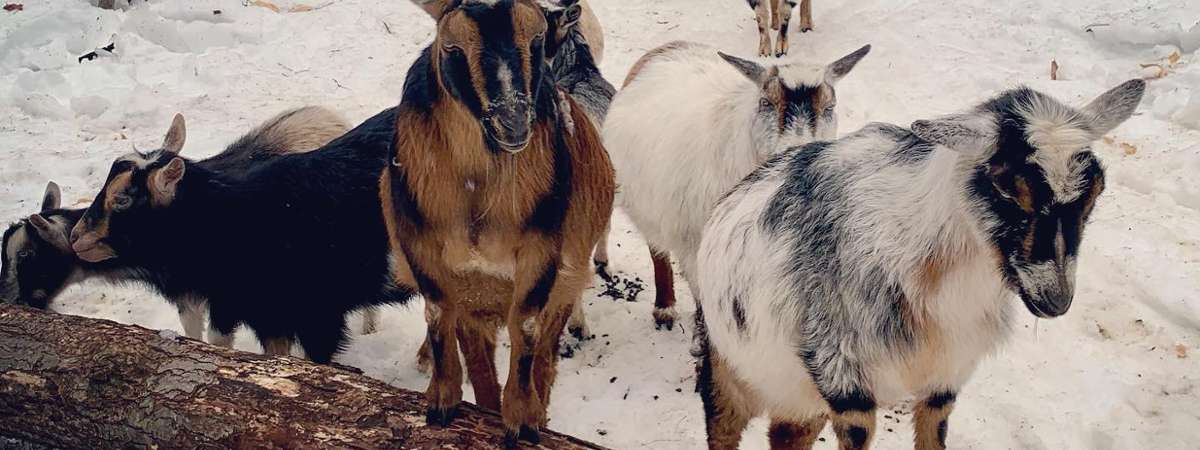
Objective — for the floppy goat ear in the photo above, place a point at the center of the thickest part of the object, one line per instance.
(164, 181)
(52, 198)
(963, 133)
(173, 143)
(838, 69)
(54, 235)
(1112, 108)
(436, 8)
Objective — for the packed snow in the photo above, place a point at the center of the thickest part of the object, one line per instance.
(1119, 371)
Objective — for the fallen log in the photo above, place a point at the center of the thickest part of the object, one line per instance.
(80, 383)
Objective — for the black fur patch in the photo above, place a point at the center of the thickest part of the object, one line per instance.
(941, 431)
(537, 297)
(428, 287)
(525, 369)
(798, 103)
(551, 209)
(420, 85)
(404, 201)
(854, 401)
(940, 399)
(857, 436)
(739, 314)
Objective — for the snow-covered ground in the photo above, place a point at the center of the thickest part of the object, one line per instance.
(1121, 370)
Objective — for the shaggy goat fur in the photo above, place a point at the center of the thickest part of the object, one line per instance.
(689, 123)
(848, 274)
(493, 205)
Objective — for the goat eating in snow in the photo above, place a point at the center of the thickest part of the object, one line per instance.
(689, 123)
(881, 265)
(39, 263)
(493, 205)
(286, 245)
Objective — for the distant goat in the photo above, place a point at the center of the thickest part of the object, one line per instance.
(777, 14)
(848, 274)
(39, 262)
(287, 245)
(689, 124)
(497, 193)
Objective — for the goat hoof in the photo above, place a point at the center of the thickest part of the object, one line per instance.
(527, 434)
(664, 318)
(440, 416)
(580, 333)
(602, 270)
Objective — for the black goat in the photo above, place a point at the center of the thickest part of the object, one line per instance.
(39, 263)
(287, 245)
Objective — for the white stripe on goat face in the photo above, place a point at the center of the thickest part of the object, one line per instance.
(1057, 135)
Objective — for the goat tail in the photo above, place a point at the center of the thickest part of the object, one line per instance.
(302, 129)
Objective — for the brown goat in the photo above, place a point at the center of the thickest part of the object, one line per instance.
(777, 15)
(493, 202)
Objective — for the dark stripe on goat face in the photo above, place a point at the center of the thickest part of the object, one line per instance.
(800, 109)
(539, 295)
(551, 209)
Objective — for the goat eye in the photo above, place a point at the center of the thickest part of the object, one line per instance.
(24, 254)
(1004, 192)
(765, 102)
(122, 201)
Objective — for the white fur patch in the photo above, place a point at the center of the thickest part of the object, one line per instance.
(1057, 134)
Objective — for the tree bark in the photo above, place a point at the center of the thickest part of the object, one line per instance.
(74, 382)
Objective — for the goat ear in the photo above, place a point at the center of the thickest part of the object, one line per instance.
(164, 181)
(752, 70)
(570, 17)
(1112, 108)
(173, 142)
(838, 69)
(436, 8)
(965, 133)
(55, 236)
(52, 198)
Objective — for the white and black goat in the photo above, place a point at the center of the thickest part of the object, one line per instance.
(859, 272)
(690, 123)
(39, 263)
(287, 245)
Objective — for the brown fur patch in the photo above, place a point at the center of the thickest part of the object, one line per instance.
(116, 186)
(656, 52)
(927, 420)
(854, 429)
(1024, 194)
(733, 405)
(1089, 202)
(465, 238)
(789, 435)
